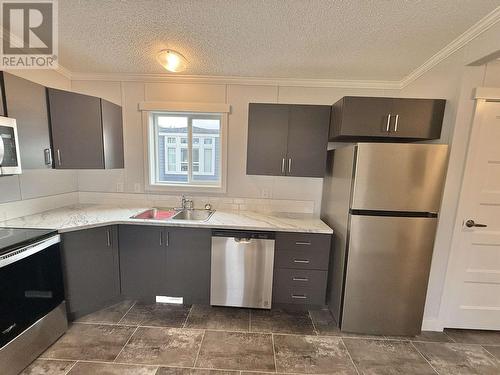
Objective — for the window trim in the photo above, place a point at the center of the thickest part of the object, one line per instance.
(151, 165)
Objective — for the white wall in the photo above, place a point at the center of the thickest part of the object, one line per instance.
(453, 80)
(38, 183)
(239, 185)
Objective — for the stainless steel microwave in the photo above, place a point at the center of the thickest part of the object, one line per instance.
(10, 160)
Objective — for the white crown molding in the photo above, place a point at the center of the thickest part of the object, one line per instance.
(64, 72)
(470, 34)
(224, 80)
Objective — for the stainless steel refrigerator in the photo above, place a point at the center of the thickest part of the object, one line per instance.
(382, 201)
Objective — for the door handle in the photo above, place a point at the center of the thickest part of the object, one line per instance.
(388, 124)
(396, 123)
(165, 241)
(48, 156)
(2, 150)
(108, 238)
(471, 223)
(305, 243)
(304, 261)
(283, 166)
(59, 157)
(299, 296)
(300, 279)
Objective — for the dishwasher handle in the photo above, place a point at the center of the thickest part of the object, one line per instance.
(243, 236)
(242, 240)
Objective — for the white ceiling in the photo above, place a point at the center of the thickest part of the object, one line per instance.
(324, 39)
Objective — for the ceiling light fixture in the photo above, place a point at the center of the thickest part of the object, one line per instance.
(172, 60)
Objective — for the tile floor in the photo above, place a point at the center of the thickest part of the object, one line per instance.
(133, 338)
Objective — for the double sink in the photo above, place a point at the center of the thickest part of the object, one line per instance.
(174, 214)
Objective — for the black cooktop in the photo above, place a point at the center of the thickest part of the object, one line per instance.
(13, 238)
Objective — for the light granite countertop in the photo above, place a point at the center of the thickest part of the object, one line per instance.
(77, 217)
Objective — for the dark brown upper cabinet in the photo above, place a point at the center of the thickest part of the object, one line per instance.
(369, 118)
(112, 132)
(87, 132)
(26, 102)
(287, 139)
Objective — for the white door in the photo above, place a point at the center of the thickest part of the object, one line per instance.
(472, 292)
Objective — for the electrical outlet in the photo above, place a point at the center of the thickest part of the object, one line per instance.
(137, 187)
(264, 193)
(119, 187)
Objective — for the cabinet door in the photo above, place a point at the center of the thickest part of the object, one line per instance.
(188, 264)
(142, 260)
(267, 139)
(26, 101)
(417, 118)
(307, 140)
(91, 269)
(361, 117)
(112, 129)
(75, 121)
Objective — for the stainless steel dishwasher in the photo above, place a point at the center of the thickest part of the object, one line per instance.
(242, 269)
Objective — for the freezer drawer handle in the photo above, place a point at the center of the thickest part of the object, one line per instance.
(299, 296)
(305, 261)
(305, 243)
(300, 279)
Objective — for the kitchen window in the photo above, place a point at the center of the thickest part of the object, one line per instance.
(186, 149)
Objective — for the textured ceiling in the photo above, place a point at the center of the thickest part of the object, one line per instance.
(328, 39)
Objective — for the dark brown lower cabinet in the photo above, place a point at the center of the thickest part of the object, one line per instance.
(294, 286)
(301, 269)
(174, 262)
(142, 260)
(90, 264)
(187, 268)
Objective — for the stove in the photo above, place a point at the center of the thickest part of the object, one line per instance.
(13, 238)
(32, 306)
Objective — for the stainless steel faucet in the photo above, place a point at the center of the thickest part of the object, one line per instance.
(187, 203)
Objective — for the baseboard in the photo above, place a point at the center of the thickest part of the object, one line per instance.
(432, 325)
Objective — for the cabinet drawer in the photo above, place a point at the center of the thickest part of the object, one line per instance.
(299, 286)
(300, 259)
(307, 242)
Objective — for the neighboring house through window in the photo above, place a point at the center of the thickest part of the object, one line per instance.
(187, 148)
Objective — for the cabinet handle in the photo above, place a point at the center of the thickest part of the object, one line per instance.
(388, 124)
(300, 279)
(161, 238)
(47, 156)
(283, 166)
(289, 165)
(299, 296)
(167, 242)
(396, 123)
(59, 157)
(305, 243)
(305, 261)
(108, 238)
